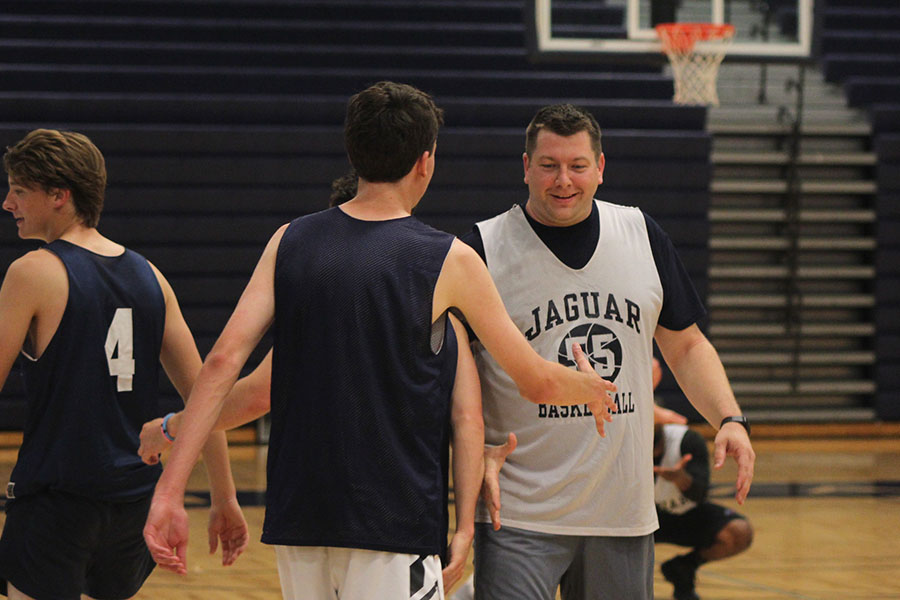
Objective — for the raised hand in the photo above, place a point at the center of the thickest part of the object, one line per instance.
(603, 406)
(672, 473)
(153, 442)
(661, 416)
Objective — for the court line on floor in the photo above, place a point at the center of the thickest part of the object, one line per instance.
(758, 586)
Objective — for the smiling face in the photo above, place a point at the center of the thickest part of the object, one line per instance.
(32, 208)
(562, 174)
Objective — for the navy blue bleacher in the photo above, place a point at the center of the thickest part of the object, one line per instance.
(222, 120)
(861, 51)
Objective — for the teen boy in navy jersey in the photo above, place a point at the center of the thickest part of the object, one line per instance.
(93, 321)
(466, 432)
(359, 386)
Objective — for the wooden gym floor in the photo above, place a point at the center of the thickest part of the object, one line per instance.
(825, 506)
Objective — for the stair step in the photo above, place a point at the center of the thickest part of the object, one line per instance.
(810, 129)
(775, 330)
(780, 300)
(774, 114)
(804, 387)
(780, 272)
(804, 358)
(783, 158)
(765, 215)
(814, 414)
(757, 186)
(773, 243)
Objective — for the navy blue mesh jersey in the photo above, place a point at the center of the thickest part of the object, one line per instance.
(360, 399)
(96, 383)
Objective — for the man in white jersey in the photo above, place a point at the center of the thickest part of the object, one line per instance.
(578, 510)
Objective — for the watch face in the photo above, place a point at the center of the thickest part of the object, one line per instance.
(742, 420)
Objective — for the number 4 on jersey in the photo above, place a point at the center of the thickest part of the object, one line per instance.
(120, 349)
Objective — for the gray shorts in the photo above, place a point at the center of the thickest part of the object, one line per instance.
(512, 564)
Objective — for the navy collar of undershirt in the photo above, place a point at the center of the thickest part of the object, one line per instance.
(573, 245)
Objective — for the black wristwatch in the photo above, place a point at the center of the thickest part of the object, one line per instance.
(740, 419)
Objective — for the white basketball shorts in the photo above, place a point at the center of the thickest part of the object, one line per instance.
(325, 573)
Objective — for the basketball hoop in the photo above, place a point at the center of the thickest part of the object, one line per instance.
(695, 72)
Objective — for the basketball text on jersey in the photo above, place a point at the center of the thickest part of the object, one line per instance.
(624, 405)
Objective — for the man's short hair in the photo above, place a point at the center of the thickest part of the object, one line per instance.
(52, 159)
(564, 120)
(387, 128)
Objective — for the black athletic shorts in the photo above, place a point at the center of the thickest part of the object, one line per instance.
(697, 528)
(57, 546)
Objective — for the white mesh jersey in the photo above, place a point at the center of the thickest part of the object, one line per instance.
(563, 478)
(666, 494)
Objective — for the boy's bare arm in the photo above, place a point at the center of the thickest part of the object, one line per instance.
(181, 361)
(468, 456)
(33, 293)
(465, 283)
(166, 531)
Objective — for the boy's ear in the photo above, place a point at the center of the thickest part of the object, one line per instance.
(422, 163)
(60, 196)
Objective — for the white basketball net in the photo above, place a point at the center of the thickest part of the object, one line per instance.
(695, 73)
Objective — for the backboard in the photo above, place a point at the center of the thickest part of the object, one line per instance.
(766, 30)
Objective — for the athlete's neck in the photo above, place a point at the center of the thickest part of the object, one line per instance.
(381, 201)
(91, 239)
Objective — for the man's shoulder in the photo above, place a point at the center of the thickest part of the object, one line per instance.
(622, 210)
(514, 210)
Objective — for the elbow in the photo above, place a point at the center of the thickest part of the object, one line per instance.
(470, 423)
(688, 351)
(223, 363)
(260, 402)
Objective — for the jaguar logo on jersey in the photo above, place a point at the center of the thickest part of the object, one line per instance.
(602, 347)
(604, 351)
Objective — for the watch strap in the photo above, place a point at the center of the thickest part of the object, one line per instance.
(740, 419)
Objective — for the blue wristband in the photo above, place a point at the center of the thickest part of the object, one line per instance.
(165, 427)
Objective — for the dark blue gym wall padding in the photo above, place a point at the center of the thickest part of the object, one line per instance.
(861, 51)
(887, 290)
(221, 120)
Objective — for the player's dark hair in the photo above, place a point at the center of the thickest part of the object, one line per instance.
(387, 128)
(343, 188)
(564, 120)
(67, 160)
